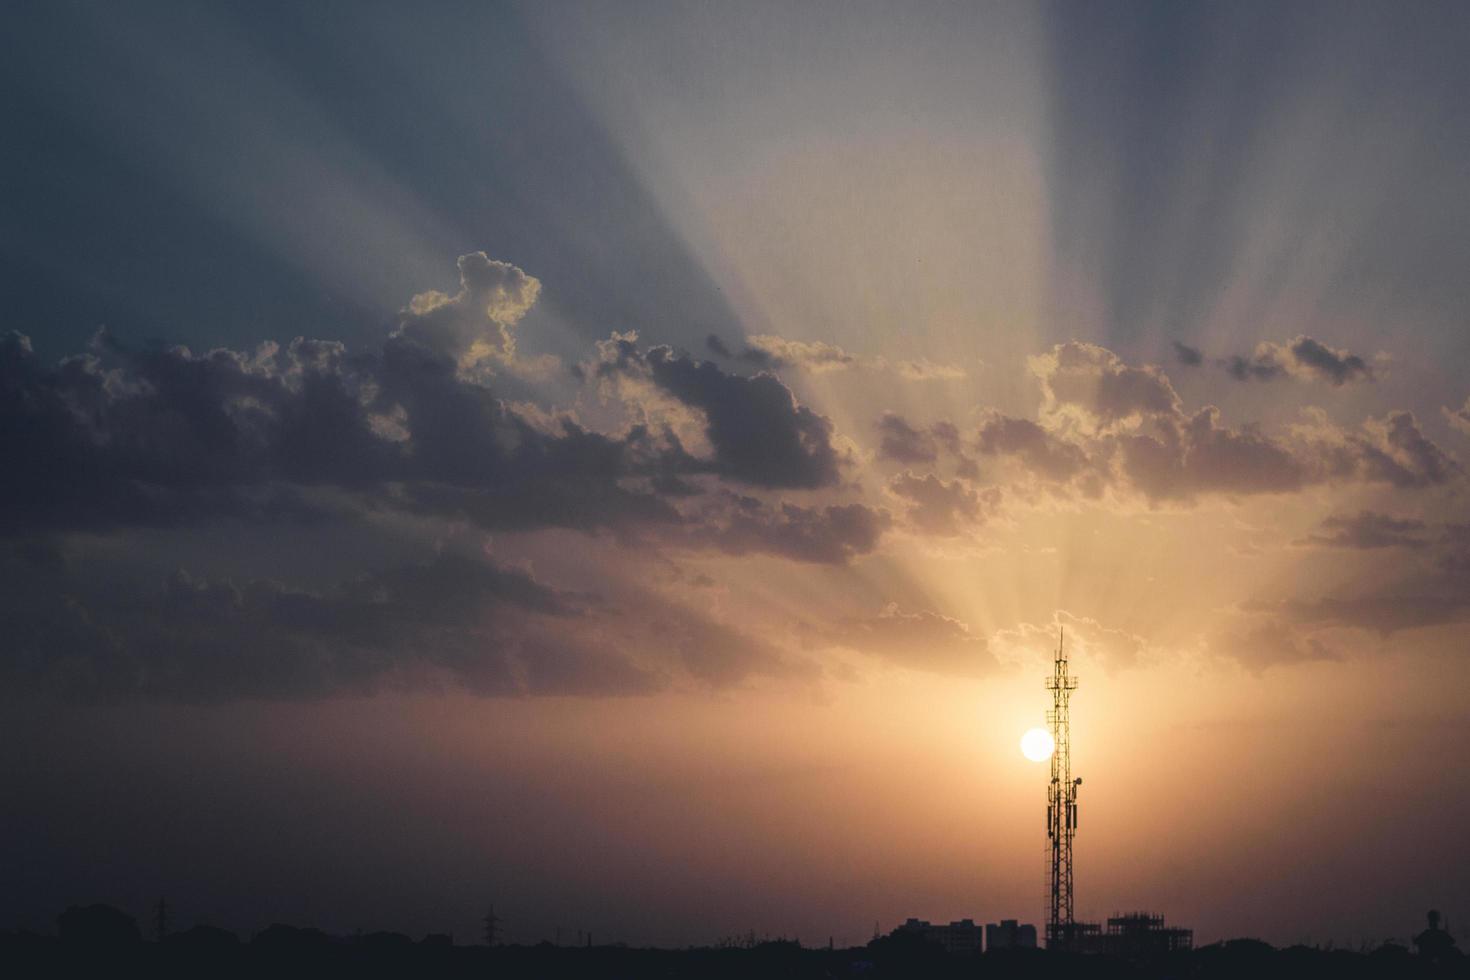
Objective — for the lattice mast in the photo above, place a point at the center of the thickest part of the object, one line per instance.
(1061, 807)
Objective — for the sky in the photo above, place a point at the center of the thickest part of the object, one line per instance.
(631, 463)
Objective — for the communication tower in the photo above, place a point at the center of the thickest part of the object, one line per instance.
(1061, 806)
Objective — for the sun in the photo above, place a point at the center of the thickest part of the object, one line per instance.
(1037, 745)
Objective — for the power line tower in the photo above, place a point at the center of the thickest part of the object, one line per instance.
(160, 919)
(1061, 805)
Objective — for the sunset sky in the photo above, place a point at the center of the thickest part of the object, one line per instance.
(629, 463)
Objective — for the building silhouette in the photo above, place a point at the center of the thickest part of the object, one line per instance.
(1142, 934)
(963, 936)
(1009, 934)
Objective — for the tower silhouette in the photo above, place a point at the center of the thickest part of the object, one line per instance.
(1061, 807)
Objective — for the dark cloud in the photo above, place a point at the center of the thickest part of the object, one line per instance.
(1383, 612)
(942, 507)
(162, 436)
(1393, 450)
(1083, 376)
(1181, 457)
(1368, 530)
(1187, 355)
(760, 434)
(1302, 358)
(902, 443)
(486, 628)
(1453, 549)
(1337, 367)
(120, 440)
(833, 534)
(1040, 451)
(1243, 368)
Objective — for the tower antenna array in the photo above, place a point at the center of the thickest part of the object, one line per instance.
(1061, 806)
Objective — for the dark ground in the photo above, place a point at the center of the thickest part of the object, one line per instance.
(106, 943)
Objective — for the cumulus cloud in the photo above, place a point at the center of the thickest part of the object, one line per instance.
(477, 322)
(1302, 358)
(1107, 427)
(945, 508)
(759, 433)
(1392, 449)
(901, 442)
(1368, 530)
(1459, 418)
(163, 436)
(121, 440)
(1181, 457)
(1042, 452)
(1093, 385)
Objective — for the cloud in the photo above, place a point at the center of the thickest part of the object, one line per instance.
(924, 369)
(1087, 639)
(118, 437)
(1368, 530)
(768, 350)
(1257, 644)
(1383, 612)
(162, 436)
(1107, 427)
(739, 525)
(771, 353)
(1459, 418)
(760, 434)
(1043, 453)
(1181, 457)
(945, 508)
(1093, 385)
(467, 622)
(1187, 355)
(1400, 595)
(1302, 358)
(1392, 449)
(476, 322)
(901, 442)
(921, 640)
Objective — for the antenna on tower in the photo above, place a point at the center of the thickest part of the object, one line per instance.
(1061, 807)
